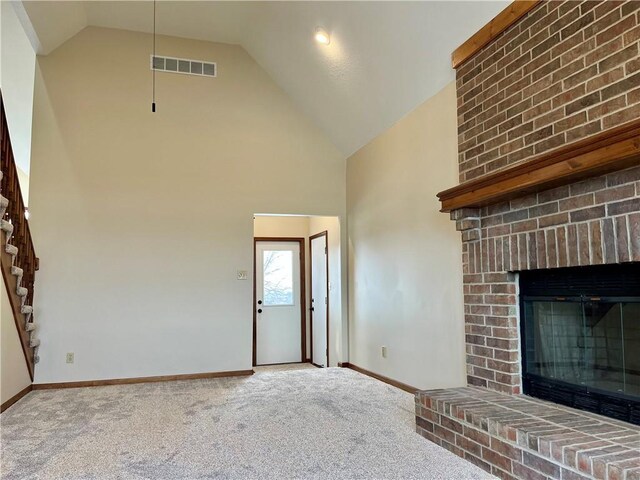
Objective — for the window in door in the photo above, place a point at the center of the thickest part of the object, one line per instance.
(277, 282)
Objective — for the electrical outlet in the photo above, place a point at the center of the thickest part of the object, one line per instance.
(242, 275)
(70, 357)
(384, 352)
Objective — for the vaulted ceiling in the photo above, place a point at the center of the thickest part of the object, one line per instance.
(384, 59)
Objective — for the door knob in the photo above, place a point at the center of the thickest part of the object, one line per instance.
(259, 310)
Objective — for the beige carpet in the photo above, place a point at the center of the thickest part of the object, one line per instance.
(280, 423)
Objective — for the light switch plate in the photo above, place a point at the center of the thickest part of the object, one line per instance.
(70, 357)
(242, 275)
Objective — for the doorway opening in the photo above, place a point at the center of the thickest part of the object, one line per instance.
(297, 297)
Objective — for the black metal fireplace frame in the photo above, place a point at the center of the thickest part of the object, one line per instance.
(579, 285)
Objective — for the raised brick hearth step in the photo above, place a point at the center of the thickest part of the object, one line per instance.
(515, 436)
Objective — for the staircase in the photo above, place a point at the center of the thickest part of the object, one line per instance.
(17, 255)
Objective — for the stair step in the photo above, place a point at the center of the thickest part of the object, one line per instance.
(11, 250)
(27, 311)
(7, 227)
(36, 359)
(17, 271)
(30, 326)
(35, 342)
(4, 203)
(22, 291)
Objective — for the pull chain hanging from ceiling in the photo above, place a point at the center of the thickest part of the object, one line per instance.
(153, 63)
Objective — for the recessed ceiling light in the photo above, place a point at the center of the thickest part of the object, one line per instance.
(322, 36)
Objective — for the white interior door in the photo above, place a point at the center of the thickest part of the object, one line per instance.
(319, 300)
(278, 309)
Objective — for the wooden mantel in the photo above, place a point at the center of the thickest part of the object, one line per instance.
(612, 150)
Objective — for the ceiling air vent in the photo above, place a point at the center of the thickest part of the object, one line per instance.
(184, 66)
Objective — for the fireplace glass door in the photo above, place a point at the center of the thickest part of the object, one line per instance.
(591, 343)
(582, 349)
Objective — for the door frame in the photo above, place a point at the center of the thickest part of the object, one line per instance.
(303, 287)
(324, 234)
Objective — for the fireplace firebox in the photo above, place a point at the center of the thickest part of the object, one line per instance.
(580, 333)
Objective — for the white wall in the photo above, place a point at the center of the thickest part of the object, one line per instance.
(405, 272)
(14, 375)
(142, 220)
(18, 60)
(1, 45)
(281, 226)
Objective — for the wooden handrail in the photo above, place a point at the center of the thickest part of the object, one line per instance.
(21, 237)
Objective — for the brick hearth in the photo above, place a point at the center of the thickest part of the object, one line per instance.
(514, 436)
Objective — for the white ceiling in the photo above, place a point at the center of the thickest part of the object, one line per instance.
(385, 58)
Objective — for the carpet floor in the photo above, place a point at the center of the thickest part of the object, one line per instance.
(280, 423)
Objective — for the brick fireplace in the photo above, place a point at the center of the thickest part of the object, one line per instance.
(592, 222)
(564, 73)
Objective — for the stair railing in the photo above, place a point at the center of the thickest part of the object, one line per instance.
(16, 214)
